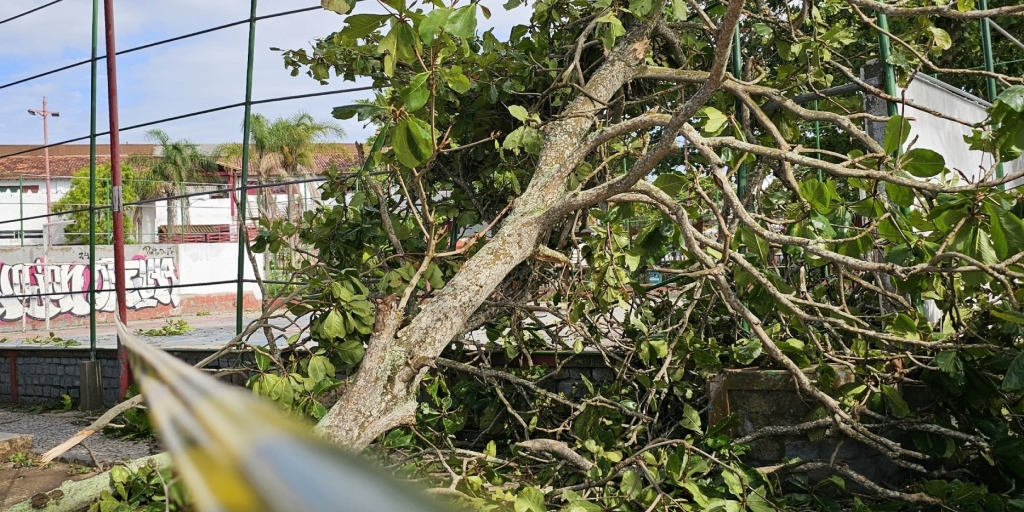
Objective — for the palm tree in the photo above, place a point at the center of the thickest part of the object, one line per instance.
(282, 150)
(180, 162)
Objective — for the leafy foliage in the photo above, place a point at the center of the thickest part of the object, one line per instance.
(77, 199)
(147, 489)
(170, 328)
(870, 275)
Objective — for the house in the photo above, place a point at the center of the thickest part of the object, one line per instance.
(209, 217)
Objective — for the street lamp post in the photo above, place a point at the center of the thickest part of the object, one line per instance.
(45, 114)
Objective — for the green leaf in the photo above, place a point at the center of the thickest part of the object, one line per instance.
(120, 474)
(333, 325)
(518, 112)
(716, 120)
(387, 47)
(359, 110)
(941, 38)
(899, 407)
(462, 22)
(679, 10)
(733, 483)
(530, 499)
(412, 141)
(319, 368)
(1013, 98)
(902, 196)
(432, 22)
(361, 25)
(1006, 229)
(351, 351)
(633, 257)
(747, 352)
(691, 419)
(756, 245)
(408, 43)
(338, 6)
(1014, 379)
(262, 360)
(670, 182)
(457, 81)
(756, 501)
(897, 130)
(949, 362)
(923, 163)
(417, 93)
(1008, 315)
(615, 28)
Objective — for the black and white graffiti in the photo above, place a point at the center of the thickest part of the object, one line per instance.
(39, 289)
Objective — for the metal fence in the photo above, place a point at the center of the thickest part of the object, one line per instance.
(107, 222)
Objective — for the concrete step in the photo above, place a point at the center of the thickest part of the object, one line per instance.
(14, 443)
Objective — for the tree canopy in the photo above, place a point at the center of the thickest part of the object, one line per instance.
(76, 203)
(884, 285)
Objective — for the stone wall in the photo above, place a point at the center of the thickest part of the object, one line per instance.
(44, 374)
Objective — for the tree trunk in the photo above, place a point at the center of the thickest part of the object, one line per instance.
(383, 391)
(170, 214)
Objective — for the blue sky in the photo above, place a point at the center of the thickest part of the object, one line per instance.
(185, 76)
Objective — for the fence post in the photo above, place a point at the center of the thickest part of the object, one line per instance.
(21, 208)
(243, 193)
(737, 72)
(990, 83)
(115, 193)
(92, 180)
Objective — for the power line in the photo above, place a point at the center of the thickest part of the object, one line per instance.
(194, 194)
(30, 11)
(157, 43)
(194, 114)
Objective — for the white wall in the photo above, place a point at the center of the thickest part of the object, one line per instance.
(33, 204)
(947, 137)
(201, 263)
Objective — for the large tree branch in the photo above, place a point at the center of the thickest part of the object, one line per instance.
(947, 11)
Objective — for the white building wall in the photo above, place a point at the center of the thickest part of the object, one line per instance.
(947, 137)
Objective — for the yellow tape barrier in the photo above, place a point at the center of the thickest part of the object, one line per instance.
(237, 452)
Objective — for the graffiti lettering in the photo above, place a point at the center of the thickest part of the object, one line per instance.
(39, 289)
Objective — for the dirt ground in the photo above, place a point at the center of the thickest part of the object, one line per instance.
(20, 479)
(18, 484)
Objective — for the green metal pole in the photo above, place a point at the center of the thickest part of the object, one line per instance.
(737, 71)
(21, 207)
(243, 193)
(889, 83)
(990, 83)
(92, 180)
(888, 77)
(817, 141)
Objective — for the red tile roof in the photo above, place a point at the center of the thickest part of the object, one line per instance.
(33, 167)
(63, 166)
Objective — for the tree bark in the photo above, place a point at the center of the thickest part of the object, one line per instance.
(383, 393)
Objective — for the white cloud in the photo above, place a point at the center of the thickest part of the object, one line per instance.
(191, 75)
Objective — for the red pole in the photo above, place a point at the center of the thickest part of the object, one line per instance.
(116, 196)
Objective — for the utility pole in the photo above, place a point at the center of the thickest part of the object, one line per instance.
(45, 114)
(124, 379)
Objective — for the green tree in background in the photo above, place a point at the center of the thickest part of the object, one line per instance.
(180, 163)
(77, 198)
(280, 150)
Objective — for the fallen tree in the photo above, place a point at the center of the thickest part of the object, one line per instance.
(595, 115)
(606, 139)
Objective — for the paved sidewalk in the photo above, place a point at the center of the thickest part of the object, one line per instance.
(209, 332)
(49, 429)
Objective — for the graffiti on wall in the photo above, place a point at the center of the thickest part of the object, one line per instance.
(37, 290)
